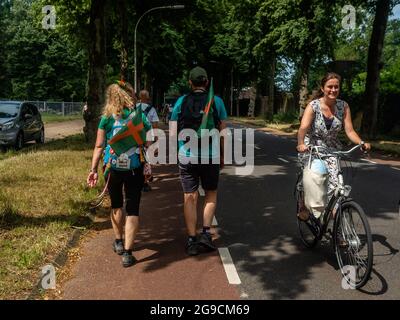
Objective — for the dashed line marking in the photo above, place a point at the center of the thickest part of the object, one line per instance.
(244, 295)
(230, 269)
(214, 222)
(366, 160)
(284, 160)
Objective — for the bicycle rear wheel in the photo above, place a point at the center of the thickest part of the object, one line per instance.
(353, 244)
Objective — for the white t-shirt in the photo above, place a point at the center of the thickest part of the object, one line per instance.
(152, 115)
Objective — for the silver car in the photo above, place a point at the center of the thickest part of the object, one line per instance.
(20, 122)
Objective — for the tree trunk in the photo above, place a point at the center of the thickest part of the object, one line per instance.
(122, 8)
(231, 93)
(271, 90)
(97, 69)
(147, 81)
(303, 92)
(237, 97)
(264, 102)
(253, 97)
(370, 116)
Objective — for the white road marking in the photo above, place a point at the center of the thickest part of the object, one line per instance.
(284, 160)
(257, 148)
(366, 160)
(230, 269)
(244, 295)
(201, 191)
(398, 169)
(214, 222)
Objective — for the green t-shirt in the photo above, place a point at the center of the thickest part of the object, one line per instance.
(106, 123)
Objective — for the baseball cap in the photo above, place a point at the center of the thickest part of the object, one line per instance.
(198, 74)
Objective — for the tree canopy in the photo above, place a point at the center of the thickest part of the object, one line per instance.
(273, 45)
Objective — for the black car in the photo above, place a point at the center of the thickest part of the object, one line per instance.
(20, 122)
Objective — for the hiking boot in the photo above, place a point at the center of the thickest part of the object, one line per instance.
(192, 248)
(128, 259)
(118, 247)
(146, 187)
(205, 241)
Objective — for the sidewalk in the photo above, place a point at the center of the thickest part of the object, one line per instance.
(163, 270)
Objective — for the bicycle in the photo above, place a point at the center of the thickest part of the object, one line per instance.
(352, 247)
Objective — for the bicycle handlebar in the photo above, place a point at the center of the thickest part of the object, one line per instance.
(349, 151)
(312, 148)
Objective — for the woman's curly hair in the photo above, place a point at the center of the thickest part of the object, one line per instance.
(117, 98)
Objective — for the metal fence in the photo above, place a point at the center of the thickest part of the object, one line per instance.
(60, 108)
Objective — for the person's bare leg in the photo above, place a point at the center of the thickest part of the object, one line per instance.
(210, 205)
(117, 221)
(131, 229)
(190, 212)
(303, 213)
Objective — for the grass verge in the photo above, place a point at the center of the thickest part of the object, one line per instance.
(43, 196)
(51, 117)
(262, 123)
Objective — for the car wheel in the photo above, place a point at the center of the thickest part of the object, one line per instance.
(41, 137)
(19, 143)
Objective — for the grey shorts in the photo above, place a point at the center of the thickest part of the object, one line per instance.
(192, 174)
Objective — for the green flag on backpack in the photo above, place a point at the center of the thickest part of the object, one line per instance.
(131, 135)
(207, 121)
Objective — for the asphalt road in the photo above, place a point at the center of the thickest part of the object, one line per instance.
(256, 215)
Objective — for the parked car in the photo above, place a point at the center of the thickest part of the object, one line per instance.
(20, 122)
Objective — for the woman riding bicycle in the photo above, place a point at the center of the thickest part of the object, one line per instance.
(323, 118)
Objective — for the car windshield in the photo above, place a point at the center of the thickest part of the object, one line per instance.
(8, 110)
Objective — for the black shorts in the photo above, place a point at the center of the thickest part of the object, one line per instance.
(191, 174)
(132, 181)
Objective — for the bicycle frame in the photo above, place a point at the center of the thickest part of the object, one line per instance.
(340, 194)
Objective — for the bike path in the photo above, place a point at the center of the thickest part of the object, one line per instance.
(163, 270)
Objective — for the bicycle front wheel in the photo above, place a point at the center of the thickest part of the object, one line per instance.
(353, 244)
